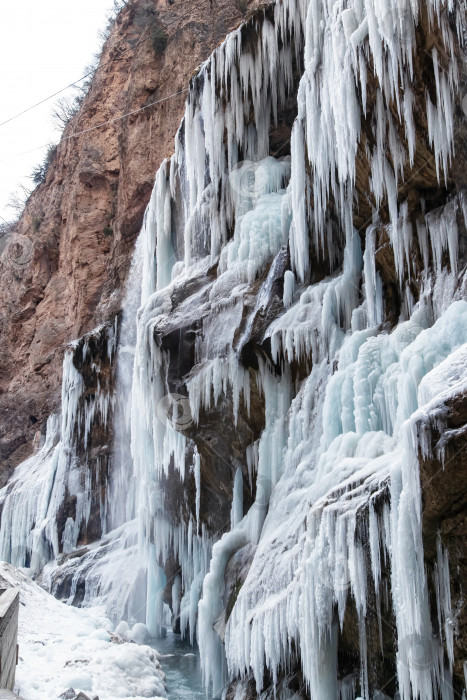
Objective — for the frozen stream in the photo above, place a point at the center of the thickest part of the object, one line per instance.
(181, 665)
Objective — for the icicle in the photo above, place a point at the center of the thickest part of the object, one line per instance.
(213, 379)
(442, 228)
(210, 609)
(443, 599)
(237, 499)
(197, 469)
(373, 283)
(289, 288)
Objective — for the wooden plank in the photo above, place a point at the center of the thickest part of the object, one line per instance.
(7, 599)
(8, 669)
(9, 610)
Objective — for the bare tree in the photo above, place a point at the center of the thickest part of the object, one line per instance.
(7, 227)
(65, 108)
(17, 200)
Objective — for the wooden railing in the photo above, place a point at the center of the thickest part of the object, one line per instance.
(9, 607)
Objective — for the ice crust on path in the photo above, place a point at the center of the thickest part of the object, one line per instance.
(62, 647)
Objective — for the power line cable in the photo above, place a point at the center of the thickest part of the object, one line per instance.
(98, 126)
(92, 72)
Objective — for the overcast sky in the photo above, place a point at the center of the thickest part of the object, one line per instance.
(44, 46)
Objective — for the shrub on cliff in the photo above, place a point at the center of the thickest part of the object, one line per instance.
(147, 18)
(39, 173)
(17, 200)
(159, 37)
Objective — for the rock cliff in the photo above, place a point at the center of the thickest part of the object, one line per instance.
(64, 267)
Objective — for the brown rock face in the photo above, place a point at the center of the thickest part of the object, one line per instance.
(63, 269)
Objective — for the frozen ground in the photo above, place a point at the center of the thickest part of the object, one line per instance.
(61, 647)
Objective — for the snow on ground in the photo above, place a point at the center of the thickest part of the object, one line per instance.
(62, 647)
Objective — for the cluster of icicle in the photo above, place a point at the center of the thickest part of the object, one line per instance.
(342, 40)
(208, 188)
(32, 498)
(349, 436)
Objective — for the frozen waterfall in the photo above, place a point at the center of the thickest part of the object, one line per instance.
(325, 511)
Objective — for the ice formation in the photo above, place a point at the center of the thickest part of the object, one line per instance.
(336, 468)
(30, 502)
